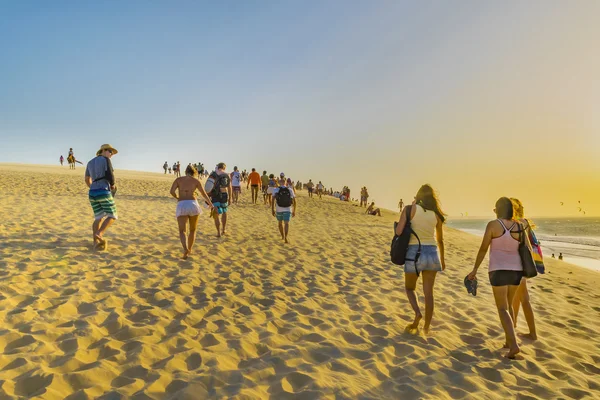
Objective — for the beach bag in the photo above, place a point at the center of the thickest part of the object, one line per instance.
(399, 246)
(529, 269)
(538, 257)
(283, 198)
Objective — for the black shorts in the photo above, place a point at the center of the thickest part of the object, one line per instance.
(506, 278)
(310, 190)
(254, 186)
(264, 189)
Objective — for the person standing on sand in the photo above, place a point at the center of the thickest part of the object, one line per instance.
(310, 186)
(100, 179)
(505, 270)
(62, 160)
(71, 158)
(188, 209)
(254, 179)
(364, 196)
(400, 205)
(220, 193)
(281, 208)
(165, 167)
(264, 183)
(427, 221)
(272, 186)
(320, 189)
(522, 295)
(236, 184)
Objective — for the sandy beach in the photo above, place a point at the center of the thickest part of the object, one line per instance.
(247, 317)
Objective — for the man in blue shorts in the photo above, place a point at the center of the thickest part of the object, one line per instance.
(220, 194)
(100, 178)
(283, 207)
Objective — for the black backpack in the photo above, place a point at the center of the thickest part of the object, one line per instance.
(220, 181)
(283, 198)
(400, 243)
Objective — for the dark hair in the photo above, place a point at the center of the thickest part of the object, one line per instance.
(253, 169)
(272, 176)
(190, 170)
(428, 199)
(504, 208)
(264, 172)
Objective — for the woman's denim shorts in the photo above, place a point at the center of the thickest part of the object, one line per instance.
(429, 260)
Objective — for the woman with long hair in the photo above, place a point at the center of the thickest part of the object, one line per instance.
(505, 269)
(188, 209)
(427, 219)
(522, 295)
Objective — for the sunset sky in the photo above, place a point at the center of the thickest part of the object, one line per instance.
(480, 99)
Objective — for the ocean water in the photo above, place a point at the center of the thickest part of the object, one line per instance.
(578, 239)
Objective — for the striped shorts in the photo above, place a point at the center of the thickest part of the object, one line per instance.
(103, 205)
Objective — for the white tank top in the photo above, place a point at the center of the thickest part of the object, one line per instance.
(235, 178)
(423, 223)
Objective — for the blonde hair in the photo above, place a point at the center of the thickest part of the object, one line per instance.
(519, 211)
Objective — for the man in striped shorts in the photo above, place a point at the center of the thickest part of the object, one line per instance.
(100, 178)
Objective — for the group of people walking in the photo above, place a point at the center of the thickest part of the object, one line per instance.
(425, 255)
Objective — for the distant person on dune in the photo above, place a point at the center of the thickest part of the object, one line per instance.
(310, 186)
(283, 207)
(220, 190)
(166, 167)
(100, 179)
(522, 295)
(71, 158)
(320, 189)
(560, 256)
(505, 270)
(364, 196)
(400, 205)
(289, 183)
(427, 219)
(272, 186)
(281, 180)
(236, 182)
(62, 160)
(371, 210)
(254, 180)
(188, 209)
(264, 185)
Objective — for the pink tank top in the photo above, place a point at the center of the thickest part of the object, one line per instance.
(504, 252)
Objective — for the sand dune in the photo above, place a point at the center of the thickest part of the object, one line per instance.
(248, 317)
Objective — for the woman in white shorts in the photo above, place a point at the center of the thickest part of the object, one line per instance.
(188, 209)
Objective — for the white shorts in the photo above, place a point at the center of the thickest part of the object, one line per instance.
(188, 208)
(270, 190)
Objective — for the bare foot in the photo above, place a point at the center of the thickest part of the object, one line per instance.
(530, 336)
(512, 353)
(286, 241)
(185, 255)
(415, 323)
(426, 329)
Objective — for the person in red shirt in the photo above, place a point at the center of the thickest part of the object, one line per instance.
(254, 180)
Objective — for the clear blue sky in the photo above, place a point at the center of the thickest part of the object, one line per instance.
(388, 94)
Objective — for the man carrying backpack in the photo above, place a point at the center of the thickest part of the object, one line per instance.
(219, 196)
(281, 207)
